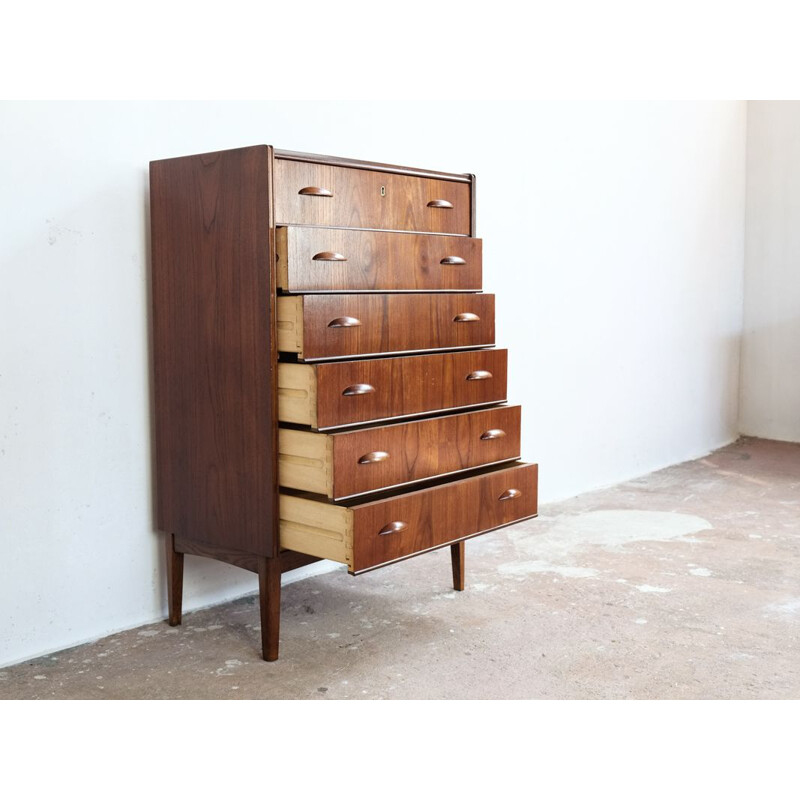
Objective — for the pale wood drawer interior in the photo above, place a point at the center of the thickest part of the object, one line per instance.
(297, 394)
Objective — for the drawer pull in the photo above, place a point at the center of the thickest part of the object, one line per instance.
(467, 316)
(344, 322)
(452, 261)
(393, 527)
(327, 255)
(358, 388)
(440, 204)
(510, 494)
(479, 375)
(373, 458)
(493, 433)
(315, 191)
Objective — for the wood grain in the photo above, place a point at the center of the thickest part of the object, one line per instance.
(365, 198)
(339, 465)
(405, 386)
(422, 449)
(376, 261)
(387, 323)
(441, 515)
(214, 351)
(399, 525)
(319, 528)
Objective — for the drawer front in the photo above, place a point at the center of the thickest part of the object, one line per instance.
(362, 391)
(391, 529)
(379, 458)
(332, 326)
(343, 197)
(336, 260)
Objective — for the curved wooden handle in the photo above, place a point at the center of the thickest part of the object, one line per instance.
(479, 375)
(374, 457)
(328, 255)
(510, 494)
(344, 322)
(452, 261)
(493, 433)
(393, 527)
(315, 191)
(358, 388)
(466, 316)
(440, 204)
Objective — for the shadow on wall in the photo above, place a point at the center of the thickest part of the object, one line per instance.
(770, 383)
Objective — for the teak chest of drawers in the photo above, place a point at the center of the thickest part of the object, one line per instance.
(326, 383)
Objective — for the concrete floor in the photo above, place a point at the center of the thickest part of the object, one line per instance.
(682, 584)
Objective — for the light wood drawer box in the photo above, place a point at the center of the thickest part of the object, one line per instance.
(345, 197)
(364, 535)
(332, 326)
(342, 393)
(341, 260)
(344, 464)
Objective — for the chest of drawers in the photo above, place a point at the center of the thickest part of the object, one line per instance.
(325, 378)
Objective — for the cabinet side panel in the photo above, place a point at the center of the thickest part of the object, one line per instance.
(214, 350)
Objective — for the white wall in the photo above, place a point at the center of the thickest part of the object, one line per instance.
(613, 239)
(770, 386)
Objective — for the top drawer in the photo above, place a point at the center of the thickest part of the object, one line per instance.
(344, 197)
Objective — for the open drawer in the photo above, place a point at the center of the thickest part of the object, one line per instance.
(340, 465)
(338, 393)
(319, 326)
(365, 535)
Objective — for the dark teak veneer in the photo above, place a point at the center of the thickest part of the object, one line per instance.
(264, 259)
(215, 351)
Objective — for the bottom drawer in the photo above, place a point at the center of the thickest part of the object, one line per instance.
(396, 526)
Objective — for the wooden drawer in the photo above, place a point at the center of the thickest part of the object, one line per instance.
(352, 392)
(332, 326)
(344, 464)
(344, 197)
(366, 535)
(337, 259)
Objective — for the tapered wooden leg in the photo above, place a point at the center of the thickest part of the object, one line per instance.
(457, 556)
(174, 581)
(269, 592)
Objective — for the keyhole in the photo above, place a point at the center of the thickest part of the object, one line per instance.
(383, 191)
